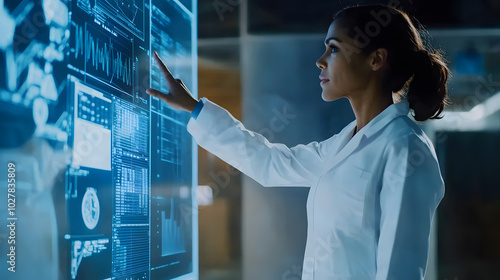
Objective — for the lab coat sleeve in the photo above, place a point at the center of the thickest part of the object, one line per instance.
(412, 188)
(270, 164)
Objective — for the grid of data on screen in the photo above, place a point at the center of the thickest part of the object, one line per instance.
(75, 72)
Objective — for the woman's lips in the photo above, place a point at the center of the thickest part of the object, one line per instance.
(323, 79)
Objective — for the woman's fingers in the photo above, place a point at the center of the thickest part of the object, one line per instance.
(166, 73)
(170, 100)
(182, 84)
(179, 97)
(157, 94)
(171, 81)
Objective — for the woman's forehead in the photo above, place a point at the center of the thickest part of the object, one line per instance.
(335, 32)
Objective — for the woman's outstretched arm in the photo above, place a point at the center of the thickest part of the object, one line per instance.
(216, 130)
(270, 164)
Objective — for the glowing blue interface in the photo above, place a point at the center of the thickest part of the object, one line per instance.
(104, 173)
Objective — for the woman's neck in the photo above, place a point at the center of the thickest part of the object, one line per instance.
(366, 108)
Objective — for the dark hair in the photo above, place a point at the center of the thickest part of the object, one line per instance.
(414, 71)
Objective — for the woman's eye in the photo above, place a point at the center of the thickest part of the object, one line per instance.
(333, 48)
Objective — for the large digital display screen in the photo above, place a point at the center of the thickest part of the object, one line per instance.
(98, 178)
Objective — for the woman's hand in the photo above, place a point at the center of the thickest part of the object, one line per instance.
(179, 97)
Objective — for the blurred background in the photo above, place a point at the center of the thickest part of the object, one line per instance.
(257, 60)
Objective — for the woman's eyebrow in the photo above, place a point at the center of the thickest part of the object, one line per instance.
(332, 38)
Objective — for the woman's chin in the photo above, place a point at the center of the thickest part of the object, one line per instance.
(328, 96)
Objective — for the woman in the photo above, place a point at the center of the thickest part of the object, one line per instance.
(375, 185)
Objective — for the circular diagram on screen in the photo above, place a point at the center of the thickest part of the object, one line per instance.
(90, 208)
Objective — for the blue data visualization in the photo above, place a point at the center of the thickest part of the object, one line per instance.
(105, 175)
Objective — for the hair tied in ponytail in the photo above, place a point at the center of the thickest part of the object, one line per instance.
(414, 71)
(422, 59)
(427, 94)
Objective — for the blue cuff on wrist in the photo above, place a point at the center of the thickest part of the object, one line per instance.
(197, 109)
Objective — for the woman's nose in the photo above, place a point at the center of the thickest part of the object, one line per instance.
(320, 63)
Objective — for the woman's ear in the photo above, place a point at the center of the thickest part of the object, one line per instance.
(378, 59)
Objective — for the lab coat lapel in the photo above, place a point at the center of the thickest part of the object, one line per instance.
(343, 150)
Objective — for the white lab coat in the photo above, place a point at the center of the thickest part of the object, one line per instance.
(372, 198)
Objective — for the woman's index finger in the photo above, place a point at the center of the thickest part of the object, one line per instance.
(166, 73)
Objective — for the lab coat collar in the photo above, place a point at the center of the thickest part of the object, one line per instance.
(386, 116)
(347, 143)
